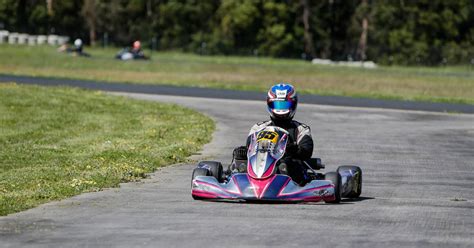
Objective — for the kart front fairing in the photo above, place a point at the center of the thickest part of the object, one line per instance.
(261, 182)
(275, 188)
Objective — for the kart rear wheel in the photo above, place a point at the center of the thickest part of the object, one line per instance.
(357, 188)
(335, 178)
(215, 169)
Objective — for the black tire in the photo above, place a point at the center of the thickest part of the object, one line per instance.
(335, 178)
(215, 169)
(358, 180)
(198, 172)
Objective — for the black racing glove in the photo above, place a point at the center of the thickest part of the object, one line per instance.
(291, 149)
(240, 153)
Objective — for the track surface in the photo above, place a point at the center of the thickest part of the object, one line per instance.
(234, 94)
(417, 192)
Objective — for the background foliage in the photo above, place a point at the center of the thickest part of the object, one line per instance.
(430, 32)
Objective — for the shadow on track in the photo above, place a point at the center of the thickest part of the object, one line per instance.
(347, 201)
(359, 199)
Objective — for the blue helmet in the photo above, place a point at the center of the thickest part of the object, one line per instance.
(282, 101)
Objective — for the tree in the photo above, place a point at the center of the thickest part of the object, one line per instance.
(362, 46)
(423, 32)
(308, 36)
(276, 34)
(49, 4)
(89, 13)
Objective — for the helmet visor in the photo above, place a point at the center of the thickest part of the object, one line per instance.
(281, 105)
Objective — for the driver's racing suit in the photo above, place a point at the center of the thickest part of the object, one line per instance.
(299, 147)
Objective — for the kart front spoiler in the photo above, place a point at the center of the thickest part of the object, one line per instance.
(275, 188)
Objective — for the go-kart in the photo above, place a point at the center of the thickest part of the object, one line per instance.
(130, 54)
(253, 176)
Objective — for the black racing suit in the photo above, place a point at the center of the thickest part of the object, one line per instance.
(299, 147)
(137, 53)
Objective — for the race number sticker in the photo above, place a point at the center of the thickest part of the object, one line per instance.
(268, 135)
(281, 93)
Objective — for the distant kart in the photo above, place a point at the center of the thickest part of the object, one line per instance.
(255, 178)
(129, 54)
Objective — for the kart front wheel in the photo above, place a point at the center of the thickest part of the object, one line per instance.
(335, 178)
(198, 172)
(355, 183)
(215, 169)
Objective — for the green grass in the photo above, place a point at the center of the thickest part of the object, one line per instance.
(443, 84)
(59, 142)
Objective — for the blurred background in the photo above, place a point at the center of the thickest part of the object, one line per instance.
(406, 50)
(424, 32)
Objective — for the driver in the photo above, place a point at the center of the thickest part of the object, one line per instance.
(137, 50)
(282, 101)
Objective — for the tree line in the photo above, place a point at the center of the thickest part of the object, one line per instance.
(429, 32)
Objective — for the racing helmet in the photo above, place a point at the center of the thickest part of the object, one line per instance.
(137, 44)
(282, 101)
(78, 43)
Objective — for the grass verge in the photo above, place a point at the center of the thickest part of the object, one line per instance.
(59, 142)
(442, 84)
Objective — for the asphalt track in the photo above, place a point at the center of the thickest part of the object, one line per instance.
(233, 94)
(418, 190)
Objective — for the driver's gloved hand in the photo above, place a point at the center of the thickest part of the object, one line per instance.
(240, 153)
(292, 149)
